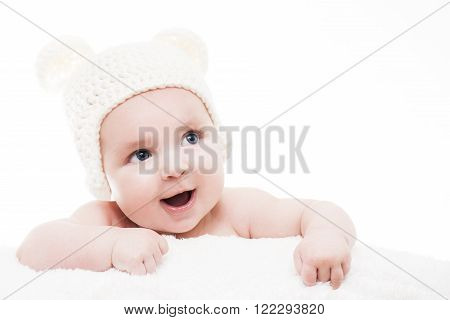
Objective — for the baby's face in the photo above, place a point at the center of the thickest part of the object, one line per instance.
(141, 174)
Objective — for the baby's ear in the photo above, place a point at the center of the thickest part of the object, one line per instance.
(57, 61)
(187, 41)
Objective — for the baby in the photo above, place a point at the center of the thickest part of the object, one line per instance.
(148, 186)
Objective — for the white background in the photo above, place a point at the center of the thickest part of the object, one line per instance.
(379, 136)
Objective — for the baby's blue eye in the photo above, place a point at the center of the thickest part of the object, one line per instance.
(142, 154)
(192, 137)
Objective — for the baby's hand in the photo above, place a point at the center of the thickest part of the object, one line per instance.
(138, 250)
(322, 255)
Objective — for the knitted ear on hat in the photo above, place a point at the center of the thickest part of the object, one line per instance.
(192, 45)
(187, 41)
(58, 59)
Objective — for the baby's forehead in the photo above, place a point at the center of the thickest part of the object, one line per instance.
(161, 106)
(158, 116)
(156, 111)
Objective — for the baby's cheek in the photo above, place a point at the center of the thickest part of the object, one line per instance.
(133, 189)
(209, 160)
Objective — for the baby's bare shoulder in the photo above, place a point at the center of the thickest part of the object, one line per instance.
(245, 198)
(239, 203)
(103, 213)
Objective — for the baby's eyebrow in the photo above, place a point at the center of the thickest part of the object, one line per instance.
(122, 147)
(134, 144)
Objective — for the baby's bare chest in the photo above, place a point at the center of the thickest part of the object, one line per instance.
(219, 224)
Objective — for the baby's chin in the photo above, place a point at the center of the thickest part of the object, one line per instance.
(179, 228)
(172, 227)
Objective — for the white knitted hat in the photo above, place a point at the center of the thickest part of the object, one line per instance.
(93, 85)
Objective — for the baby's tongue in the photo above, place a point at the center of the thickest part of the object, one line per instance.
(178, 200)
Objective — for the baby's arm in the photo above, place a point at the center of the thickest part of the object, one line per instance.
(96, 237)
(323, 253)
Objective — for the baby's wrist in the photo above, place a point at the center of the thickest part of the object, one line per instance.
(327, 231)
(114, 234)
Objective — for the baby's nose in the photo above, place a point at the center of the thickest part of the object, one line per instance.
(174, 166)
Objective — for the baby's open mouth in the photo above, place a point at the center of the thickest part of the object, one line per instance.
(179, 200)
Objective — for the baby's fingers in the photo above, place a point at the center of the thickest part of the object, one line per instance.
(309, 274)
(158, 256)
(298, 261)
(150, 264)
(163, 245)
(337, 275)
(346, 265)
(323, 273)
(137, 268)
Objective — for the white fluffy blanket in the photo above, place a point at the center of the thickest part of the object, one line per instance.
(213, 267)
